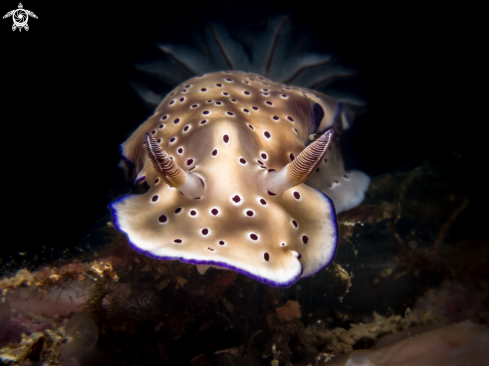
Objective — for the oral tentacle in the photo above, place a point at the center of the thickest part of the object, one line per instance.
(190, 185)
(301, 168)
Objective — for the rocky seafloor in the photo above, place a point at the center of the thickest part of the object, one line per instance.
(399, 271)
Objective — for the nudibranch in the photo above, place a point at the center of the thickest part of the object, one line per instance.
(242, 174)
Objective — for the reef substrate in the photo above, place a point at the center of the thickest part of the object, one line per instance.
(398, 267)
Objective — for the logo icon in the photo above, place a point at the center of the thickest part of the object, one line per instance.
(20, 17)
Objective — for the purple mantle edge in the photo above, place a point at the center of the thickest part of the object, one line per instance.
(223, 264)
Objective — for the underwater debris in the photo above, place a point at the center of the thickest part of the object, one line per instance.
(50, 276)
(446, 226)
(340, 340)
(4, 318)
(56, 290)
(454, 301)
(345, 278)
(290, 311)
(81, 335)
(80, 347)
(459, 344)
(32, 348)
